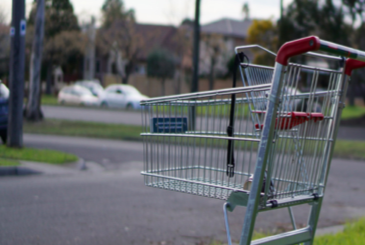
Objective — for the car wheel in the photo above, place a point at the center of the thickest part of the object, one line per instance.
(62, 102)
(4, 136)
(104, 104)
(129, 106)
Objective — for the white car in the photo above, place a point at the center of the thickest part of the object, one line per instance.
(122, 96)
(94, 87)
(77, 95)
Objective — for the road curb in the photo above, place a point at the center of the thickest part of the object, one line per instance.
(29, 168)
(16, 170)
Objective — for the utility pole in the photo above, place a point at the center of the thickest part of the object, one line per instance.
(16, 76)
(194, 84)
(89, 59)
(195, 79)
(33, 111)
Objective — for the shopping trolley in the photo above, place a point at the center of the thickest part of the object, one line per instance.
(264, 145)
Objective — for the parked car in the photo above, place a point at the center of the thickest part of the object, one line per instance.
(122, 96)
(94, 87)
(4, 108)
(77, 95)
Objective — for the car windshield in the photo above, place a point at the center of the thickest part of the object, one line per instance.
(90, 85)
(131, 91)
(83, 91)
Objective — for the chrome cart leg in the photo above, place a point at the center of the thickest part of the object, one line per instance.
(225, 206)
(292, 218)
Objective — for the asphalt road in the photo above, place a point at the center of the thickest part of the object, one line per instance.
(112, 205)
(135, 118)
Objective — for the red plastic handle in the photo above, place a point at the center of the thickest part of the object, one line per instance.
(297, 47)
(352, 64)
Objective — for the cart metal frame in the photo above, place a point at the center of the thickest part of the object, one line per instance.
(182, 154)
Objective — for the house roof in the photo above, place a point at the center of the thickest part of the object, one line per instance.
(228, 27)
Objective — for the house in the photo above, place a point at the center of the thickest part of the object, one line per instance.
(230, 33)
(218, 40)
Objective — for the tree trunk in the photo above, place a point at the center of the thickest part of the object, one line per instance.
(49, 78)
(33, 110)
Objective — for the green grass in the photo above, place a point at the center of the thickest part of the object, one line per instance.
(343, 149)
(350, 112)
(7, 162)
(349, 149)
(353, 234)
(84, 129)
(37, 155)
(49, 99)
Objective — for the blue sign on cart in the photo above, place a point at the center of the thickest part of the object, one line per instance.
(171, 125)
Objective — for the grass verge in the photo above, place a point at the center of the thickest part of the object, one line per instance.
(84, 129)
(7, 162)
(349, 149)
(48, 99)
(353, 234)
(9, 155)
(351, 112)
(343, 148)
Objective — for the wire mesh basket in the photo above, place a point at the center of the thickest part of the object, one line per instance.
(186, 139)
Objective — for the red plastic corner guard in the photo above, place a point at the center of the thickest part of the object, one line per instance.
(352, 64)
(297, 47)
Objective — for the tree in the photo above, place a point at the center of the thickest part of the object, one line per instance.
(246, 11)
(4, 45)
(215, 49)
(263, 32)
(299, 20)
(113, 10)
(356, 9)
(33, 110)
(119, 36)
(60, 23)
(161, 64)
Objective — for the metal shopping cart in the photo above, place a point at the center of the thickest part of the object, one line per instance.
(264, 145)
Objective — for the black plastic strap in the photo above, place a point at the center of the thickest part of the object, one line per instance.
(230, 129)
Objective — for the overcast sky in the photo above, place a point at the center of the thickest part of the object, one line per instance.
(173, 11)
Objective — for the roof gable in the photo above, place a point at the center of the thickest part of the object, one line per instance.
(228, 27)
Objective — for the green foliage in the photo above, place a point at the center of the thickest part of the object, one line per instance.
(59, 16)
(263, 32)
(63, 42)
(307, 17)
(160, 64)
(113, 10)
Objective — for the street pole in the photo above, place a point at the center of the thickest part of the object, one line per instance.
(194, 84)
(33, 111)
(195, 79)
(16, 76)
